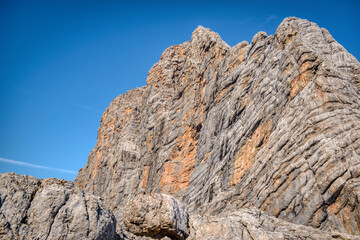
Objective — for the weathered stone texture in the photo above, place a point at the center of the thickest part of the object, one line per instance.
(247, 224)
(113, 169)
(274, 124)
(50, 209)
(156, 215)
(160, 216)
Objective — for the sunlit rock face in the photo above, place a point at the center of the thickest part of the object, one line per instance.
(157, 216)
(272, 125)
(31, 208)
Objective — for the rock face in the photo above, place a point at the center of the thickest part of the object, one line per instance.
(246, 224)
(274, 124)
(156, 215)
(50, 209)
(160, 216)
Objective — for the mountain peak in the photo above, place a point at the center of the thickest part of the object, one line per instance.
(248, 139)
(203, 35)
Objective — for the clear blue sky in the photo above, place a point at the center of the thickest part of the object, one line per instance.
(62, 62)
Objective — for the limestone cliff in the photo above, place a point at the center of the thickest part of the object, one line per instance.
(255, 141)
(274, 125)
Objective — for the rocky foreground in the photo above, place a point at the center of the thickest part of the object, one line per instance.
(50, 209)
(255, 141)
(56, 209)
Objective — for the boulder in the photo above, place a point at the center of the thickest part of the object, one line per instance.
(156, 216)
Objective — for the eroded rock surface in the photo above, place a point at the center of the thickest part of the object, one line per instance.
(246, 224)
(160, 216)
(50, 209)
(156, 215)
(274, 124)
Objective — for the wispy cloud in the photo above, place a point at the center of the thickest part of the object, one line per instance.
(269, 19)
(25, 164)
(241, 22)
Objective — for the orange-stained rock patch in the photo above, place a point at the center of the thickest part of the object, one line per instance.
(335, 207)
(220, 95)
(98, 156)
(245, 81)
(292, 33)
(241, 55)
(287, 69)
(299, 82)
(177, 171)
(244, 158)
(149, 142)
(145, 176)
(206, 156)
(128, 111)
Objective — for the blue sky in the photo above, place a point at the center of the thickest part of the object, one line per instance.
(62, 62)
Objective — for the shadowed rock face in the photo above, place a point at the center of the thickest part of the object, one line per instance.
(274, 124)
(50, 209)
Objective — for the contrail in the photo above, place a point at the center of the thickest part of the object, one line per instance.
(60, 99)
(36, 166)
(85, 107)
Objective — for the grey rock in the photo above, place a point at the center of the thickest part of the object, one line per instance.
(156, 216)
(160, 216)
(247, 224)
(50, 209)
(113, 168)
(274, 124)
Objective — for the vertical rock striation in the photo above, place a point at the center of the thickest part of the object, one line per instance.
(274, 124)
(113, 170)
